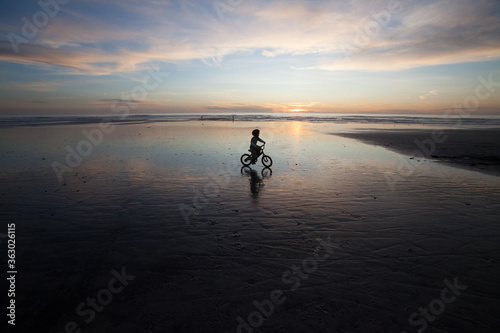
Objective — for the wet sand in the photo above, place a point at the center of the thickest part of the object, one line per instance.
(335, 237)
(472, 149)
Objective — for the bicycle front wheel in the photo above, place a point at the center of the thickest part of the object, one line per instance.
(266, 172)
(267, 161)
(246, 159)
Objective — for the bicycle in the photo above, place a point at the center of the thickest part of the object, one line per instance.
(246, 159)
(266, 172)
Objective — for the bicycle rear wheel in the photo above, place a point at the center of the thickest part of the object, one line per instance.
(246, 159)
(267, 161)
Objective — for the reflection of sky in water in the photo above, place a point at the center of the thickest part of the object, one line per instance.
(155, 167)
(186, 147)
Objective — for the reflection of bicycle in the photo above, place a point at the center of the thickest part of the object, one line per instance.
(256, 182)
(246, 159)
(265, 173)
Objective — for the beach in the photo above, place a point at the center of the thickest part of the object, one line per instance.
(473, 149)
(154, 226)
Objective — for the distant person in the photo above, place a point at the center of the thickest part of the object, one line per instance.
(253, 145)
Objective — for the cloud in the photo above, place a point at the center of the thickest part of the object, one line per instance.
(240, 109)
(129, 35)
(430, 94)
(134, 104)
(439, 33)
(37, 101)
(119, 100)
(41, 86)
(231, 107)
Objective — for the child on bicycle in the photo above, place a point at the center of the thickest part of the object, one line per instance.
(253, 145)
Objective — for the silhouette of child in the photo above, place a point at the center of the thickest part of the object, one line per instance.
(253, 145)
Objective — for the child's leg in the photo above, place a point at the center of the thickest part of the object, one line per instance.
(250, 158)
(254, 154)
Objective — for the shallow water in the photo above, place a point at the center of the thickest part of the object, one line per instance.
(204, 238)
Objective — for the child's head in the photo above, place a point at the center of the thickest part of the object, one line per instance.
(255, 132)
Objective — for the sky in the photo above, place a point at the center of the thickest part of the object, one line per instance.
(97, 57)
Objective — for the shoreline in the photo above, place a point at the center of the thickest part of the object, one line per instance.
(470, 149)
(353, 120)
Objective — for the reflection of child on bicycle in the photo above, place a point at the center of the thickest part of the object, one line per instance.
(253, 145)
